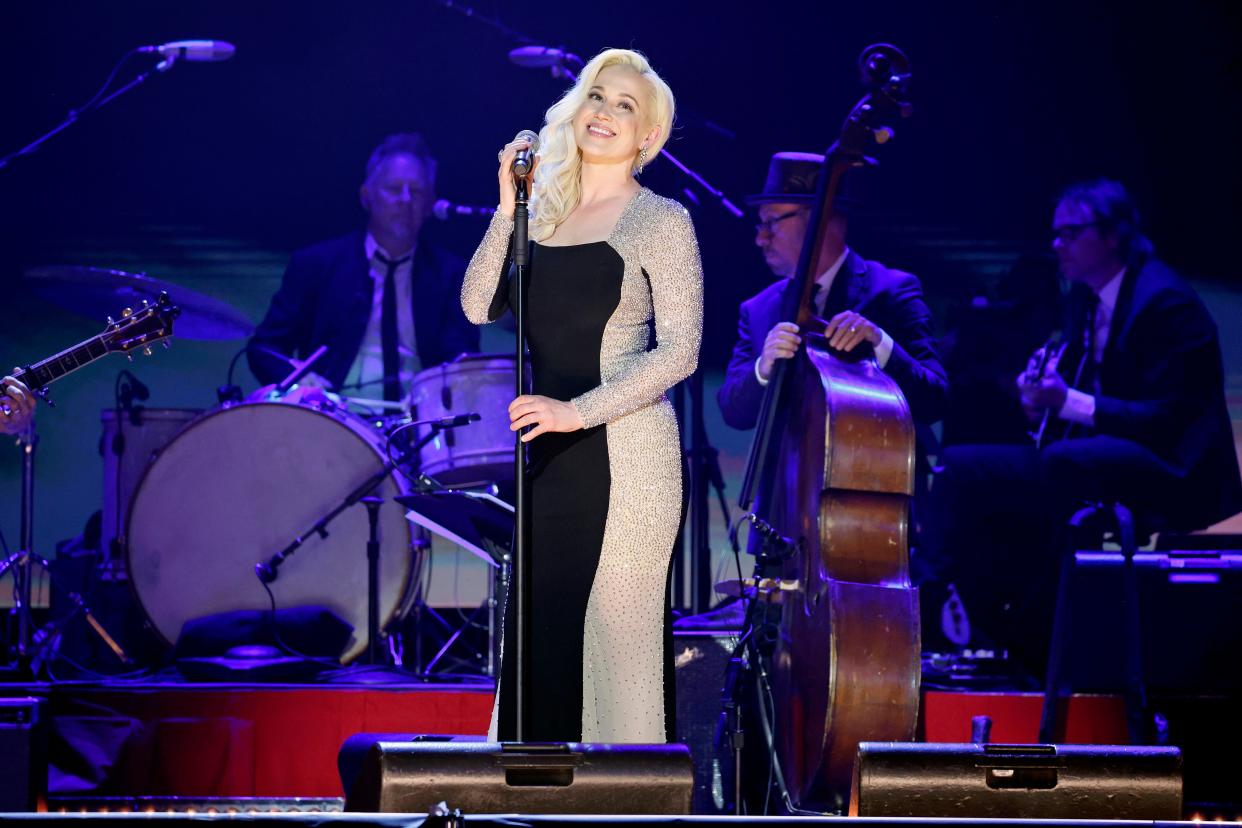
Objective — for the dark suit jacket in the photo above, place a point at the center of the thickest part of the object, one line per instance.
(1161, 385)
(889, 298)
(325, 299)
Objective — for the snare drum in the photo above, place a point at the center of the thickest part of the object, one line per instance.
(482, 451)
(235, 487)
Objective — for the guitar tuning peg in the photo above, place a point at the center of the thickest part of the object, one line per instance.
(127, 313)
(883, 135)
(146, 351)
(111, 321)
(145, 303)
(130, 357)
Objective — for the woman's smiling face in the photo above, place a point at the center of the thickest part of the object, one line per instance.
(611, 124)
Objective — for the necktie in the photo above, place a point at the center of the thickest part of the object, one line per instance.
(1087, 373)
(388, 327)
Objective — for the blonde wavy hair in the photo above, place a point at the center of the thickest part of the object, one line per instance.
(558, 182)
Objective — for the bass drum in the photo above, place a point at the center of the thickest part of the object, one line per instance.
(235, 487)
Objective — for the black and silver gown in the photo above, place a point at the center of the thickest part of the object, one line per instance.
(606, 500)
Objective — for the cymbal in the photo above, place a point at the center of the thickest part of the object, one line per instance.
(769, 589)
(97, 292)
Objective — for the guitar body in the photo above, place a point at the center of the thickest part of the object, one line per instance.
(846, 665)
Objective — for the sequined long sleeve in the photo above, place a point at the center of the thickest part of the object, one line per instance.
(668, 253)
(484, 290)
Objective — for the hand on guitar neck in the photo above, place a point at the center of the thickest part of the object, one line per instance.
(1041, 388)
(17, 405)
(135, 330)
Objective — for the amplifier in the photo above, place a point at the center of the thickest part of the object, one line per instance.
(1189, 630)
(904, 779)
(23, 755)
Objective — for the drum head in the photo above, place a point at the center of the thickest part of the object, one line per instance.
(237, 486)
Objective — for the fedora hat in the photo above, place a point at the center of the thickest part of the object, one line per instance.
(793, 178)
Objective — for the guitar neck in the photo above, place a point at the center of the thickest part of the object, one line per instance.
(44, 373)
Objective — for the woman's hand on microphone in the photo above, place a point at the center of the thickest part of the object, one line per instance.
(545, 413)
(508, 198)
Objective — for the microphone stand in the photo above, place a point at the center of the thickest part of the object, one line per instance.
(520, 586)
(267, 571)
(76, 114)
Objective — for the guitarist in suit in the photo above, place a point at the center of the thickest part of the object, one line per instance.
(17, 405)
(383, 301)
(864, 301)
(1133, 409)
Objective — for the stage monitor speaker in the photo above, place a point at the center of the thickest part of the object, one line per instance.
(528, 778)
(23, 755)
(904, 779)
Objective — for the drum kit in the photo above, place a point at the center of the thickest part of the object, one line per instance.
(196, 502)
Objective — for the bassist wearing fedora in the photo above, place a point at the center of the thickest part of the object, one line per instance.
(866, 303)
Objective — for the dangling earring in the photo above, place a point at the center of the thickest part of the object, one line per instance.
(642, 159)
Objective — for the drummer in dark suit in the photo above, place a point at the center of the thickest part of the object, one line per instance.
(864, 301)
(384, 302)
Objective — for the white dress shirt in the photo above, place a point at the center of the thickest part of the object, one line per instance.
(366, 376)
(823, 286)
(1079, 406)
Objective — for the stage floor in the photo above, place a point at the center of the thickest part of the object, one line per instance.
(151, 747)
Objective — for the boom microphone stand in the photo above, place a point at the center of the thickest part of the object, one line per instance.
(193, 50)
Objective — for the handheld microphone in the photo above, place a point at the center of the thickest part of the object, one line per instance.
(524, 161)
(446, 210)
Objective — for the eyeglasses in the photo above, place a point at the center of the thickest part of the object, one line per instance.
(770, 224)
(1069, 232)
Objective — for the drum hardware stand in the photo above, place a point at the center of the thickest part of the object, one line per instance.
(31, 644)
(128, 388)
(373, 551)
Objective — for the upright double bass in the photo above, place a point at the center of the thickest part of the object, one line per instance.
(831, 472)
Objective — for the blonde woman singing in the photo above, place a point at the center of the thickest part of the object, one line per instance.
(614, 269)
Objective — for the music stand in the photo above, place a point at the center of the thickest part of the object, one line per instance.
(483, 525)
